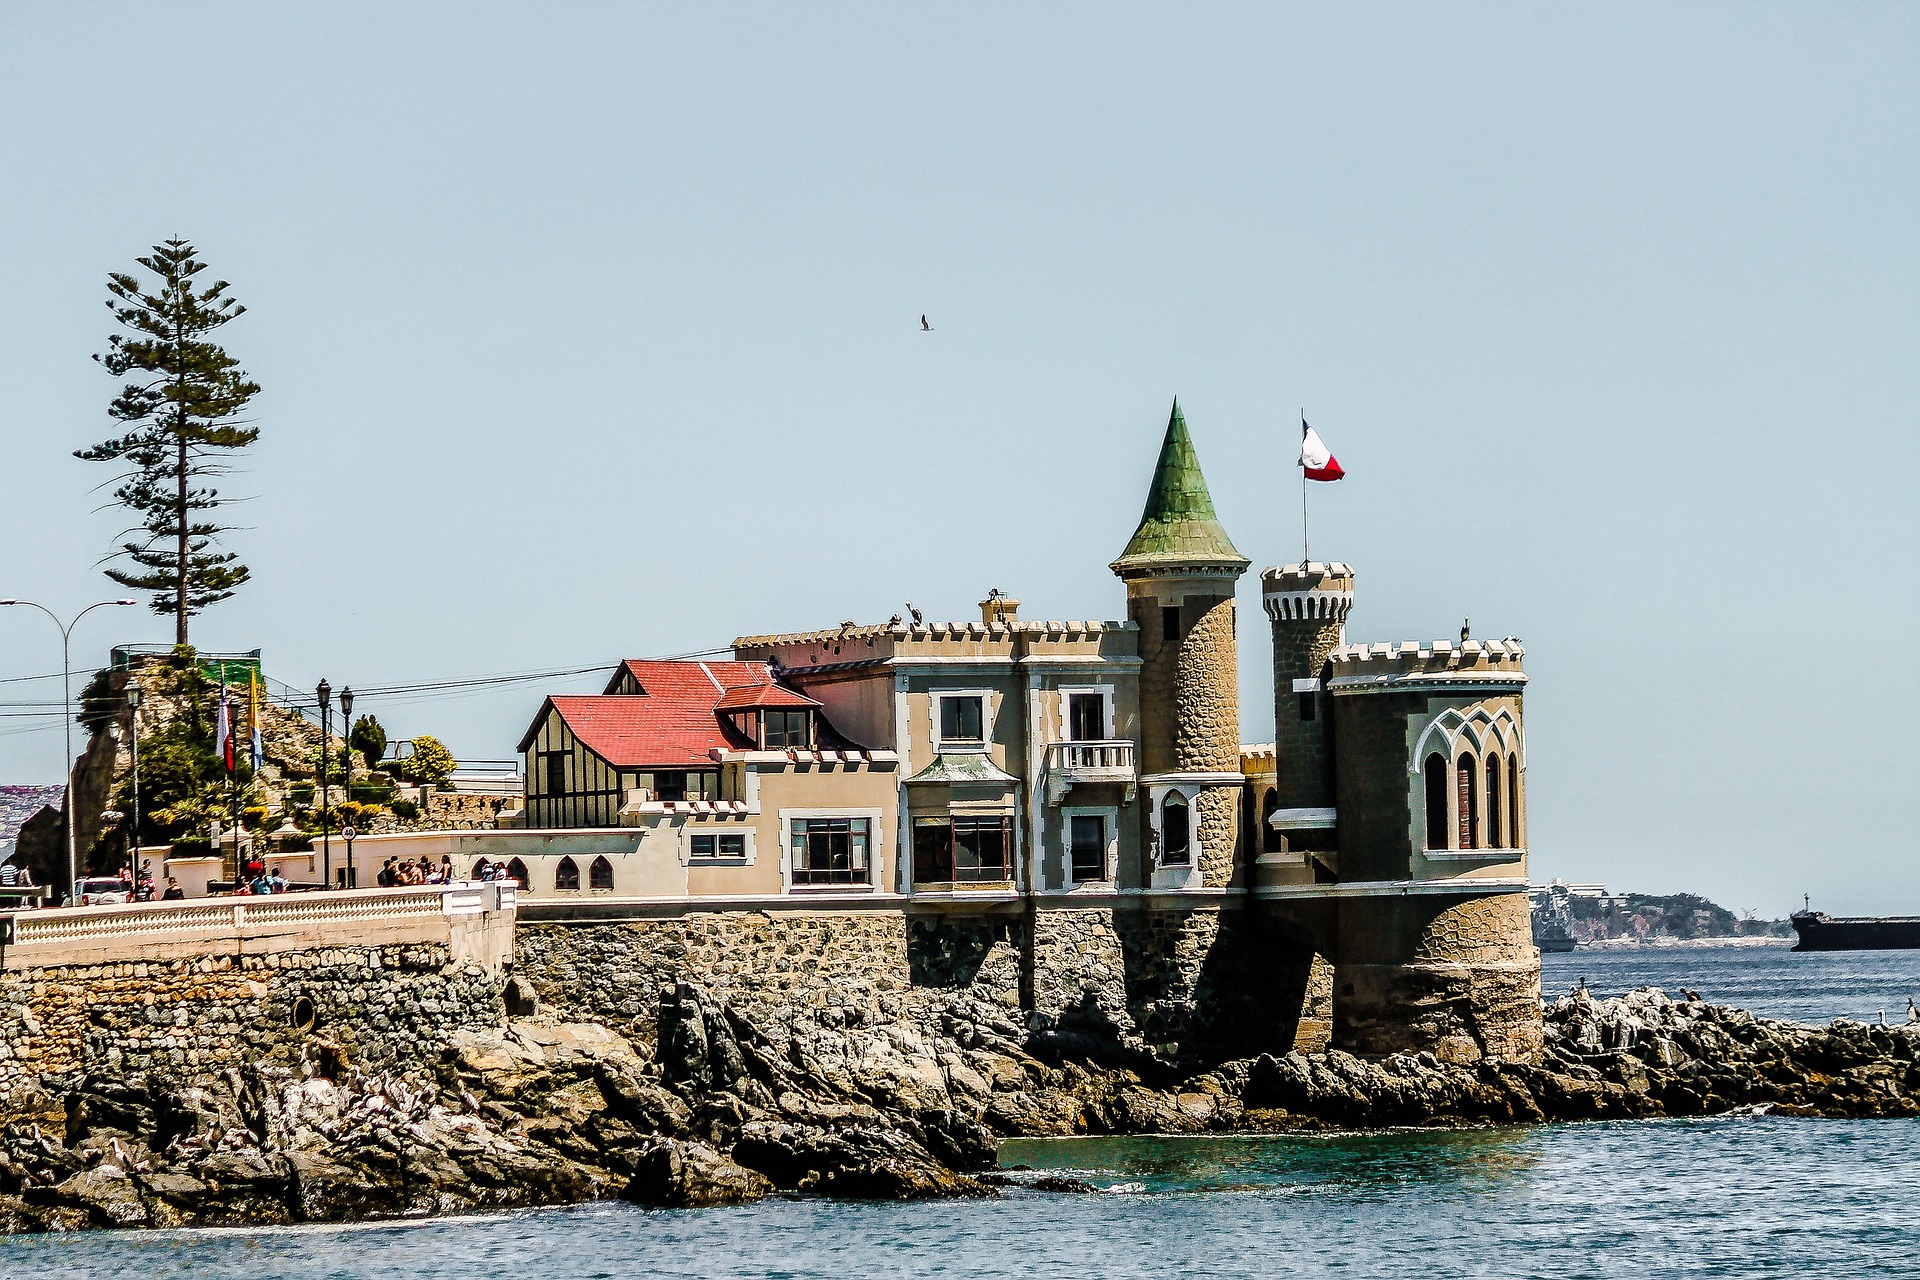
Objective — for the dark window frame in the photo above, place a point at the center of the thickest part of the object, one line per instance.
(1176, 843)
(783, 730)
(1082, 858)
(566, 874)
(953, 719)
(831, 850)
(1078, 700)
(1439, 811)
(600, 873)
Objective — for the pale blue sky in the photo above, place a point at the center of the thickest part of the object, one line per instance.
(591, 331)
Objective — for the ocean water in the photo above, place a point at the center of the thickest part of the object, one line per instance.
(1809, 986)
(1745, 1196)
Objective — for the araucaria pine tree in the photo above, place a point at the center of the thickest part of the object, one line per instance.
(182, 414)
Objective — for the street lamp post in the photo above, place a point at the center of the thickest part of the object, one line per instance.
(346, 770)
(66, 714)
(133, 720)
(324, 692)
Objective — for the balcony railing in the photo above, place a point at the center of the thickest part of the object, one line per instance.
(1069, 763)
(1077, 757)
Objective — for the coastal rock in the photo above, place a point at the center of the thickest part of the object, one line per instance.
(683, 1175)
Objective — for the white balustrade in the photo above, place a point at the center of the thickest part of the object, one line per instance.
(229, 916)
(1116, 754)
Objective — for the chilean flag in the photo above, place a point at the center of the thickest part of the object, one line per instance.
(1319, 462)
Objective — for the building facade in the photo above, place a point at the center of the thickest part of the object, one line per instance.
(1083, 784)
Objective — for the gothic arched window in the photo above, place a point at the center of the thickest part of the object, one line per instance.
(518, 870)
(1469, 803)
(1513, 802)
(1493, 803)
(1437, 808)
(1176, 842)
(567, 874)
(600, 874)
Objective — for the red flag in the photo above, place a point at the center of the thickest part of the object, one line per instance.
(1319, 462)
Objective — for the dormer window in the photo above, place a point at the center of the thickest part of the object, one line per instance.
(783, 729)
(962, 720)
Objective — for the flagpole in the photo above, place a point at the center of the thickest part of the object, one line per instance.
(1304, 538)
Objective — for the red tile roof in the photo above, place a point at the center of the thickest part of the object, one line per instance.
(762, 695)
(673, 722)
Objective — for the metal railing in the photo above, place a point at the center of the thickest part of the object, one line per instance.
(1113, 754)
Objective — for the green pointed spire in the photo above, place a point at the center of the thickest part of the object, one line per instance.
(1178, 527)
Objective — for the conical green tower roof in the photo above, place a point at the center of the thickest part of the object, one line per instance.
(1178, 527)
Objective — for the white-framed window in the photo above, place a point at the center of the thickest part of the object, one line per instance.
(962, 719)
(1091, 837)
(709, 846)
(1086, 712)
(830, 848)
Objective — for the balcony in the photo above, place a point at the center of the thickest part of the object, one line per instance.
(1071, 764)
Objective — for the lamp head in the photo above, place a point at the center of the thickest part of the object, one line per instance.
(346, 701)
(126, 602)
(324, 692)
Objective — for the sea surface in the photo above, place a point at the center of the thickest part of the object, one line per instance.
(1746, 1196)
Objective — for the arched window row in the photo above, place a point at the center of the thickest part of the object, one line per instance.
(1475, 803)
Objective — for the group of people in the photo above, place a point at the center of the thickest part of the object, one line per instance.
(258, 880)
(142, 888)
(399, 872)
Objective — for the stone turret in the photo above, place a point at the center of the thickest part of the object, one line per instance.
(1308, 606)
(1180, 568)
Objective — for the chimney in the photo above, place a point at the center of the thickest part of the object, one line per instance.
(999, 607)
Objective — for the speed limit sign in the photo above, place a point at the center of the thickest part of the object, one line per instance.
(347, 834)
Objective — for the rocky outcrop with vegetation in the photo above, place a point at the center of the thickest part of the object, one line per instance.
(714, 1111)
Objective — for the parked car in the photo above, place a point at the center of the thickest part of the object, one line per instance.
(98, 891)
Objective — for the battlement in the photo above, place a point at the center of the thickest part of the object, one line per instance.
(1317, 591)
(923, 631)
(1363, 667)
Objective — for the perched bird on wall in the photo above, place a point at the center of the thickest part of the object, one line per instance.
(894, 621)
(914, 614)
(1466, 632)
(924, 326)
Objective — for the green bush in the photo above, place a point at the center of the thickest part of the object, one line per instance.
(405, 810)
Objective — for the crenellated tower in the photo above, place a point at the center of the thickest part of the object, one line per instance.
(1180, 569)
(1307, 605)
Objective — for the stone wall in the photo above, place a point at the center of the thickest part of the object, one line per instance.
(1206, 693)
(1216, 814)
(1459, 977)
(387, 1007)
(771, 967)
(1175, 985)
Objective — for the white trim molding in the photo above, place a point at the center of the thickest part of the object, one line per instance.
(1395, 888)
(1304, 819)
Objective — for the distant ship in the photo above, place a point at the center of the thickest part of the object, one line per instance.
(1821, 932)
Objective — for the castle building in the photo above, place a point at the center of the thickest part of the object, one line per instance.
(1360, 880)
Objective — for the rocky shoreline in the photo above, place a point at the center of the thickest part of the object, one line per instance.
(715, 1110)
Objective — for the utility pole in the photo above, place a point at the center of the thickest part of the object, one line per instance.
(66, 715)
